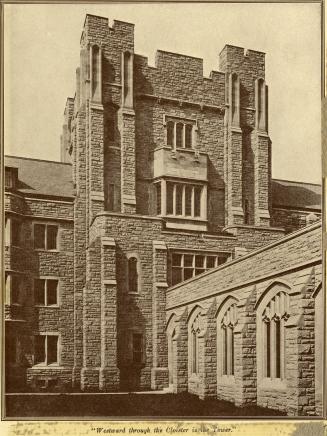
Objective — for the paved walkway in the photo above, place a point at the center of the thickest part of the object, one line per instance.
(125, 405)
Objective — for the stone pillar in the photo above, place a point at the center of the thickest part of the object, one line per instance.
(109, 373)
(92, 319)
(300, 352)
(79, 243)
(159, 372)
(209, 360)
(181, 356)
(245, 370)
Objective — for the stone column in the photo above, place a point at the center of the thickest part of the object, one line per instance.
(159, 372)
(300, 352)
(245, 365)
(209, 362)
(181, 356)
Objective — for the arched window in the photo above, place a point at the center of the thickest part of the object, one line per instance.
(179, 135)
(273, 316)
(195, 328)
(132, 275)
(227, 319)
(170, 133)
(188, 135)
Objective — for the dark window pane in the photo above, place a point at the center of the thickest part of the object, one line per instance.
(11, 349)
(52, 286)
(15, 289)
(188, 273)
(52, 349)
(188, 259)
(111, 197)
(39, 236)
(222, 258)
(176, 275)
(158, 192)
(246, 211)
(199, 261)
(132, 274)
(225, 351)
(268, 349)
(179, 199)
(195, 353)
(278, 344)
(197, 200)
(39, 349)
(177, 259)
(170, 198)
(52, 237)
(188, 200)
(199, 271)
(179, 135)
(211, 262)
(170, 133)
(15, 233)
(188, 136)
(39, 292)
(232, 351)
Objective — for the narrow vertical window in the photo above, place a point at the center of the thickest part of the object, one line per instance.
(128, 79)
(39, 236)
(15, 233)
(261, 105)
(39, 292)
(170, 198)
(277, 330)
(188, 266)
(52, 237)
(268, 349)
(179, 135)
(96, 74)
(15, 289)
(225, 350)
(188, 135)
(170, 133)
(132, 275)
(235, 99)
(188, 200)
(246, 211)
(177, 268)
(158, 198)
(197, 201)
(39, 349)
(232, 350)
(111, 197)
(179, 199)
(199, 264)
(52, 291)
(194, 353)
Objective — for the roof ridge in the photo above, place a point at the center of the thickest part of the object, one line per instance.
(39, 160)
(295, 181)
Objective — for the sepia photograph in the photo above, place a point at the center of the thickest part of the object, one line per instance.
(162, 185)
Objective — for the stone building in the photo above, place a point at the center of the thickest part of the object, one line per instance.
(165, 174)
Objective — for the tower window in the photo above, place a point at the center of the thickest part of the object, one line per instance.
(180, 134)
(132, 275)
(184, 199)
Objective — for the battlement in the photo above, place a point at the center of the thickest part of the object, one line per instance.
(234, 58)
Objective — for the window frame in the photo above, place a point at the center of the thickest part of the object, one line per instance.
(175, 191)
(46, 353)
(138, 274)
(227, 320)
(46, 279)
(180, 133)
(194, 267)
(9, 287)
(46, 226)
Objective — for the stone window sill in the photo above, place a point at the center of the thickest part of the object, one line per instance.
(276, 384)
(44, 366)
(46, 251)
(226, 380)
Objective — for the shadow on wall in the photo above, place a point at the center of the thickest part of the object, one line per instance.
(285, 193)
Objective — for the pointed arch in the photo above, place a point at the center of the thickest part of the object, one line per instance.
(272, 289)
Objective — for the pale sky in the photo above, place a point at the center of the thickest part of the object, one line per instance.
(42, 53)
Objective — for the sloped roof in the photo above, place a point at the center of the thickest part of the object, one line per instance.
(296, 195)
(42, 177)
